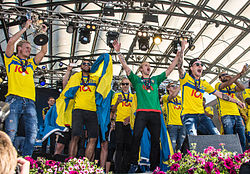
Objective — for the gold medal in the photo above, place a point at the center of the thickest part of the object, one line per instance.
(197, 93)
(86, 87)
(23, 74)
(149, 91)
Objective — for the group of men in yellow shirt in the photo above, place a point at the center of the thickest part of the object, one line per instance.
(193, 113)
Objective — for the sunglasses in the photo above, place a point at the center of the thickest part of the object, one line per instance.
(125, 84)
(198, 64)
(84, 63)
(171, 86)
(222, 75)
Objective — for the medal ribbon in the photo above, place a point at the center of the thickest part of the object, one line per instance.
(24, 66)
(229, 90)
(83, 82)
(147, 83)
(175, 101)
(197, 86)
(126, 99)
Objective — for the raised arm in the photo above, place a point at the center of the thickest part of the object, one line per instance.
(174, 94)
(239, 87)
(180, 62)
(228, 98)
(11, 43)
(66, 76)
(39, 56)
(173, 64)
(117, 47)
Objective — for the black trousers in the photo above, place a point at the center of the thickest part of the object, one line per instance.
(123, 136)
(52, 144)
(152, 121)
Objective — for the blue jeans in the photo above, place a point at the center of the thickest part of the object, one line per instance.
(19, 143)
(192, 121)
(234, 124)
(177, 135)
(26, 107)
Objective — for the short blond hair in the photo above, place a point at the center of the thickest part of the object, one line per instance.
(8, 153)
(20, 44)
(142, 64)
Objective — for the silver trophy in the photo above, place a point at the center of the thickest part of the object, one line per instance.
(40, 37)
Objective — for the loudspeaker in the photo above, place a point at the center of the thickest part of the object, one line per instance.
(231, 142)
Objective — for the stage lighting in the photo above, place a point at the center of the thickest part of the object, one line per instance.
(108, 10)
(157, 39)
(44, 67)
(84, 37)
(70, 27)
(142, 34)
(150, 18)
(176, 45)
(111, 37)
(191, 46)
(42, 81)
(143, 43)
(60, 64)
(91, 27)
(59, 85)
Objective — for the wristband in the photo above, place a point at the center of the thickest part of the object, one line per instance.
(24, 28)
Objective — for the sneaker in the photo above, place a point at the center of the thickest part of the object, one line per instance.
(133, 168)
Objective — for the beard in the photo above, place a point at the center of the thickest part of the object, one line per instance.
(224, 80)
(87, 71)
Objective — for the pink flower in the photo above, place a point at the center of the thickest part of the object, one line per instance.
(73, 172)
(174, 167)
(71, 168)
(228, 163)
(69, 158)
(237, 159)
(216, 171)
(191, 170)
(220, 159)
(232, 171)
(214, 154)
(201, 160)
(156, 170)
(190, 154)
(241, 156)
(177, 156)
(208, 167)
(50, 163)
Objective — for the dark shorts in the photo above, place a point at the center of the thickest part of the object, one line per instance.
(85, 118)
(65, 137)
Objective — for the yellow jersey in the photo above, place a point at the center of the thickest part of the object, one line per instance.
(210, 110)
(173, 110)
(192, 91)
(85, 95)
(20, 74)
(246, 94)
(124, 109)
(226, 107)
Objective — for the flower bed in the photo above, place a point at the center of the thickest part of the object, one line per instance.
(216, 161)
(70, 166)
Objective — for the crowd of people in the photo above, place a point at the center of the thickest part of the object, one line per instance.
(130, 114)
